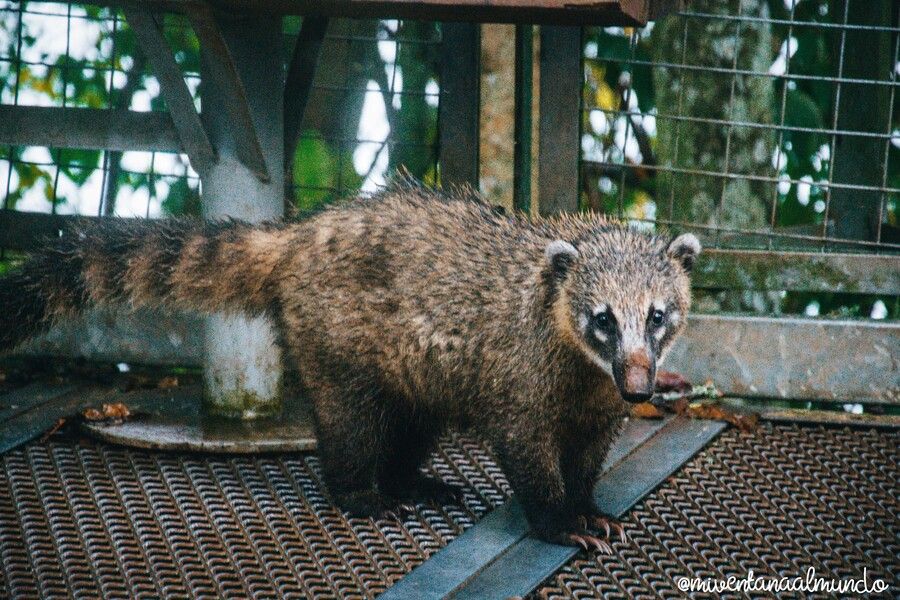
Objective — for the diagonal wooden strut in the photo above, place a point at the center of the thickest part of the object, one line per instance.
(172, 86)
(222, 72)
(298, 83)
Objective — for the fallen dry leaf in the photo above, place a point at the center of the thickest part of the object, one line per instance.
(92, 414)
(117, 410)
(745, 422)
(167, 383)
(669, 381)
(645, 410)
(53, 429)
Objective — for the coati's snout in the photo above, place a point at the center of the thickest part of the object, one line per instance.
(635, 375)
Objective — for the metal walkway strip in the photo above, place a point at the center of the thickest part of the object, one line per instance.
(524, 566)
(27, 412)
(497, 535)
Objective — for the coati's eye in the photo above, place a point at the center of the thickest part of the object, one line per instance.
(602, 319)
(657, 317)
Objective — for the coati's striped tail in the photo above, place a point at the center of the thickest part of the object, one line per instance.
(206, 267)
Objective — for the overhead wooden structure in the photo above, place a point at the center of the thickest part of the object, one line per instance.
(544, 12)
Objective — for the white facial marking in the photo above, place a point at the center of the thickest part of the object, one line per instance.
(659, 305)
(675, 317)
(600, 336)
(600, 308)
(631, 340)
(660, 333)
(582, 323)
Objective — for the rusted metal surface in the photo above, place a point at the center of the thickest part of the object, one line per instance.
(86, 519)
(460, 103)
(457, 570)
(792, 358)
(89, 128)
(523, 566)
(780, 501)
(798, 271)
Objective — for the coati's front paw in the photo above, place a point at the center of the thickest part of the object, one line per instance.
(581, 538)
(600, 522)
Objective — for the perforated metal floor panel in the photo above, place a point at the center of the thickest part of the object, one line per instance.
(84, 519)
(778, 502)
(89, 520)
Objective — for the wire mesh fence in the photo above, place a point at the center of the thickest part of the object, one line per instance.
(759, 124)
(373, 107)
(764, 124)
(82, 56)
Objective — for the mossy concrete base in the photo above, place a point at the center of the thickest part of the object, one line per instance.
(177, 420)
(242, 367)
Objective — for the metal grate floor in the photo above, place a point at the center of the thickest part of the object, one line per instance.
(88, 520)
(84, 519)
(778, 502)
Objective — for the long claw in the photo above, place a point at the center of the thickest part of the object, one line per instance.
(609, 526)
(407, 508)
(579, 540)
(389, 514)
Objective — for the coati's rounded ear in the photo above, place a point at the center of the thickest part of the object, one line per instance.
(684, 249)
(561, 255)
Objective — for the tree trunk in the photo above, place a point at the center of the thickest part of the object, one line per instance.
(724, 44)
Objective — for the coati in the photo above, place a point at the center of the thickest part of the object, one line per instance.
(406, 313)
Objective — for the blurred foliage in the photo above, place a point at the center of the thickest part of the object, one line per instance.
(97, 66)
(108, 70)
(616, 69)
(808, 103)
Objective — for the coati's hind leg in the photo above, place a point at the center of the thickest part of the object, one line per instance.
(347, 425)
(408, 444)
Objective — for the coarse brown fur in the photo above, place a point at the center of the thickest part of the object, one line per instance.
(407, 313)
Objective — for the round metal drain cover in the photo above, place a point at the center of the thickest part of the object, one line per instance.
(175, 420)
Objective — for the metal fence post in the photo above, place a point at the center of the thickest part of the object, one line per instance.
(242, 365)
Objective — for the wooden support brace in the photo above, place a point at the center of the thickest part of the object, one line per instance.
(298, 83)
(559, 145)
(523, 113)
(89, 128)
(172, 86)
(221, 69)
(460, 103)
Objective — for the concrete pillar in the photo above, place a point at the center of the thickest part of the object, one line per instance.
(242, 366)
